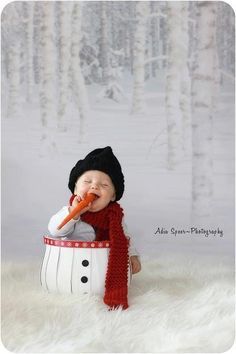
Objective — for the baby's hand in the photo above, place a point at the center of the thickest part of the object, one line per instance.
(135, 264)
(75, 202)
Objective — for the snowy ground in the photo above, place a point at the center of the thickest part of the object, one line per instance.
(177, 305)
(34, 187)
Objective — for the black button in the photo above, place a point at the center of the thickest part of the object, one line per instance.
(85, 263)
(84, 279)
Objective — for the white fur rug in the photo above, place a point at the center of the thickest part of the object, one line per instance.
(176, 305)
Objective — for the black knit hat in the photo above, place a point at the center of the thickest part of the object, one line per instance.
(103, 160)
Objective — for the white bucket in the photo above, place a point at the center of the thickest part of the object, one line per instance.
(75, 267)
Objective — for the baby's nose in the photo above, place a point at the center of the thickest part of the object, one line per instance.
(94, 186)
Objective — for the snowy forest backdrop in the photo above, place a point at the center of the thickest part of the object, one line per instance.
(153, 79)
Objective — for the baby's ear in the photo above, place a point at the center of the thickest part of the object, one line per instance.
(113, 197)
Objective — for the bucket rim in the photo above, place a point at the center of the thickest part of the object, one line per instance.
(51, 241)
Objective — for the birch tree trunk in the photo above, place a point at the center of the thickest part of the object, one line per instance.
(29, 49)
(36, 38)
(11, 52)
(47, 83)
(105, 62)
(155, 30)
(203, 91)
(131, 34)
(173, 84)
(185, 85)
(127, 51)
(79, 88)
(138, 102)
(14, 78)
(65, 13)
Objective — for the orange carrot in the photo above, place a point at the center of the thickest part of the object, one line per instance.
(82, 204)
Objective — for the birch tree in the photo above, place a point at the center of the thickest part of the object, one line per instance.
(127, 46)
(65, 13)
(226, 40)
(130, 31)
(29, 30)
(36, 39)
(79, 88)
(11, 30)
(185, 84)
(104, 47)
(203, 90)
(138, 102)
(47, 83)
(173, 84)
(14, 78)
(155, 37)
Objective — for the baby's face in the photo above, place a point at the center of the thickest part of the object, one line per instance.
(99, 183)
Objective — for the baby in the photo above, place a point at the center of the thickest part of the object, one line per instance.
(99, 173)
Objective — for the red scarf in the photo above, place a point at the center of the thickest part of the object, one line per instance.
(108, 226)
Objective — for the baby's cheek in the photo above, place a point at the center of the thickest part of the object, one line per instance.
(82, 190)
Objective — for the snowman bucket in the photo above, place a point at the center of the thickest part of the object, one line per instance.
(75, 267)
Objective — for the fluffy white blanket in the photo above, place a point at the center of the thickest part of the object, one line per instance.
(176, 305)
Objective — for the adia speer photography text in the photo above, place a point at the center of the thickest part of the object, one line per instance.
(190, 231)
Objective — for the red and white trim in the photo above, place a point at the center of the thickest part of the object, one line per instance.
(75, 243)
